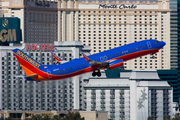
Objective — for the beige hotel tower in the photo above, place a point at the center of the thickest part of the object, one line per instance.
(102, 25)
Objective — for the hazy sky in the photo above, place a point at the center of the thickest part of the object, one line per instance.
(120, 0)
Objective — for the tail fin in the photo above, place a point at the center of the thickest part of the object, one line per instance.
(29, 65)
(85, 57)
(56, 57)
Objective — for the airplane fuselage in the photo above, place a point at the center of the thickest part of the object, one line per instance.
(80, 66)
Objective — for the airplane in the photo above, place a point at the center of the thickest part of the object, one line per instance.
(109, 59)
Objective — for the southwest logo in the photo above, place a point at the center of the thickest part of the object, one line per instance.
(28, 59)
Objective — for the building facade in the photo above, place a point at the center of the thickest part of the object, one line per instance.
(38, 20)
(105, 25)
(178, 19)
(134, 96)
(173, 34)
(18, 94)
(100, 25)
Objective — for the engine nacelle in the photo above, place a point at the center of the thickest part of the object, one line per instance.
(29, 79)
(115, 64)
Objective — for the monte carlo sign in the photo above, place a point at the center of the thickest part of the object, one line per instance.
(10, 31)
(117, 6)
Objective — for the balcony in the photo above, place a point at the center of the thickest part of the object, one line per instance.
(121, 92)
(102, 92)
(92, 92)
(93, 106)
(103, 97)
(102, 106)
(121, 110)
(93, 101)
(112, 97)
(121, 102)
(93, 97)
(112, 106)
(112, 102)
(102, 101)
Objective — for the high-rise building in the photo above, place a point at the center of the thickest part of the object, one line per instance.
(38, 20)
(173, 34)
(178, 29)
(18, 94)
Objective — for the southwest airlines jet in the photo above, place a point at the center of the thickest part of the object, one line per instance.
(109, 59)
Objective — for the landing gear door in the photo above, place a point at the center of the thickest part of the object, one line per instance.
(149, 44)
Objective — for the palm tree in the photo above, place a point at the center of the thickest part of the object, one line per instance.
(168, 117)
(46, 117)
(177, 116)
(73, 116)
(36, 117)
(150, 118)
(56, 117)
(9, 118)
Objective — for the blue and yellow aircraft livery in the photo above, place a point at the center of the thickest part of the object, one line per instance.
(109, 59)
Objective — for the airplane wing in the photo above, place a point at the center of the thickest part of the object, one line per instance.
(32, 76)
(95, 64)
(56, 57)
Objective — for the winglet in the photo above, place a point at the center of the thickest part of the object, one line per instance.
(56, 57)
(85, 57)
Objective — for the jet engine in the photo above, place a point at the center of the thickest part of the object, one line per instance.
(115, 64)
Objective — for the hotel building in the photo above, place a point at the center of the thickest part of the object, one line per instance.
(16, 93)
(135, 95)
(100, 25)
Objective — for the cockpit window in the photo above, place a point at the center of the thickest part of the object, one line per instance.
(155, 41)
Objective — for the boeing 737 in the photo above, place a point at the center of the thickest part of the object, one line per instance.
(109, 59)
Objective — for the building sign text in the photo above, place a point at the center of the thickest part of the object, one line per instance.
(7, 35)
(121, 6)
(39, 47)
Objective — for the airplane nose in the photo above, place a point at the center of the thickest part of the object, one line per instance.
(162, 44)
